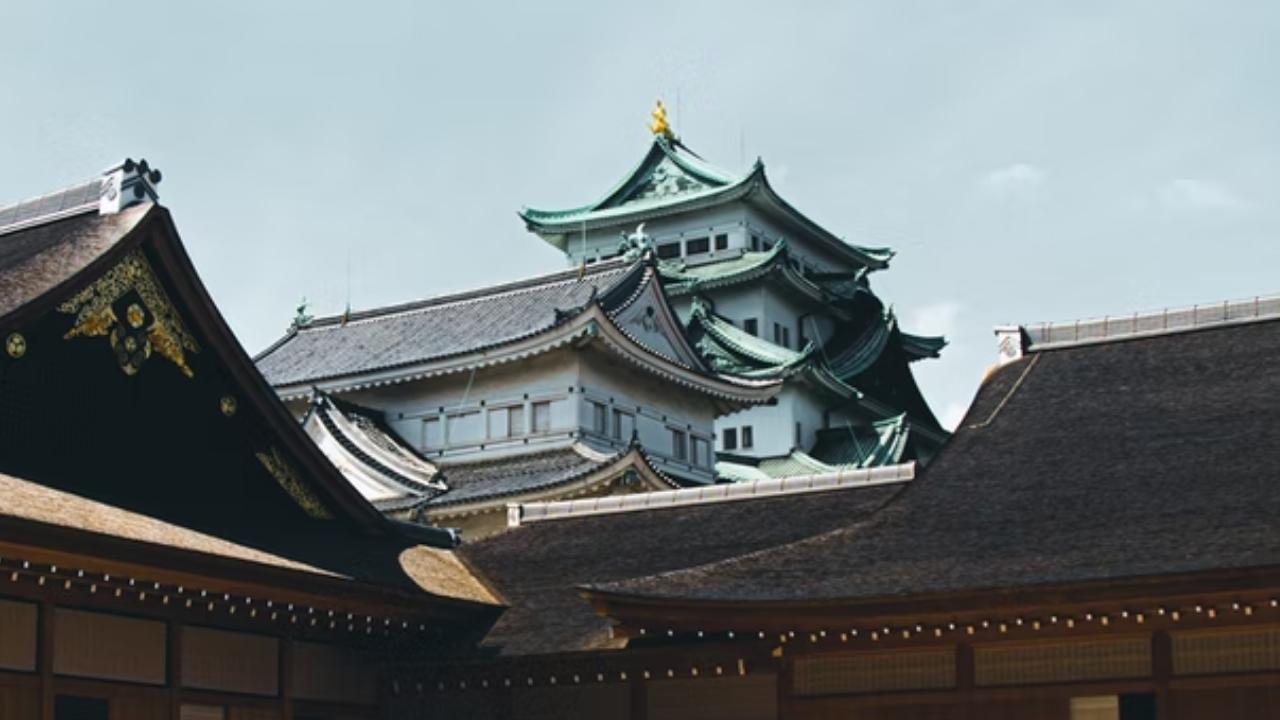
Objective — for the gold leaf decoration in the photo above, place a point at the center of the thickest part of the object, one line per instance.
(15, 345)
(151, 322)
(289, 481)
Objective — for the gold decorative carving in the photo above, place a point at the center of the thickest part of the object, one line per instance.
(659, 124)
(15, 345)
(289, 481)
(151, 322)
(228, 405)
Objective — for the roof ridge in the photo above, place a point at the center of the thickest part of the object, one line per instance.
(722, 492)
(510, 287)
(1168, 321)
(68, 201)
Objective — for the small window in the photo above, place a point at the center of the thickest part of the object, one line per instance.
(624, 424)
(432, 434)
(786, 337)
(515, 420)
(801, 340)
(541, 416)
(755, 243)
(697, 246)
(751, 326)
(799, 434)
(668, 251)
(599, 418)
(679, 444)
(729, 439)
(701, 452)
(748, 437)
(777, 334)
(722, 242)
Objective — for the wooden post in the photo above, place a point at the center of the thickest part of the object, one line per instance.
(175, 670)
(1162, 671)
(47, 695)
(286, 679)
(639, 699)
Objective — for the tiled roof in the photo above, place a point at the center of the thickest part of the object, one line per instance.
(434, 328)
(538, 567)
(519, 474)
(1123, 459)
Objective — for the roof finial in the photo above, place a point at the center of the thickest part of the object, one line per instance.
(660, 126)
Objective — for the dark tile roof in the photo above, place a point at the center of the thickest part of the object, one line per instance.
(1141, 457)
(35, 258)
(539, 566)
(509, 476)
(430, 329)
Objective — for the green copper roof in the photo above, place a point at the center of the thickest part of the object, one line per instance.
(671, 179)
(731, 350)
(683, 278)
(880, 443)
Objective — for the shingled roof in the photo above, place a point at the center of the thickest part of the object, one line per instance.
(539, 566)
(1131, 457)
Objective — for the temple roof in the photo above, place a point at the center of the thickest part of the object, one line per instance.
(682, 277)
(509, 477)
(622, 305)
(539, 566)
(1124, 459)
(670, 179)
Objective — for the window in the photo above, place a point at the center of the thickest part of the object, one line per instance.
(729, 439)
(432, 434)
(755, 243)
(624, 424)
(801, 340)
(786, 337)
(505, 422)
(701, 452)
(697, 246)
(748, 437)
(464, 428)
(799, 435)
(722, 242)
(599, 418)
(751, 326)
(777, 334)
(542, 416)
(70, 707)
(679, 444)
(668, 251)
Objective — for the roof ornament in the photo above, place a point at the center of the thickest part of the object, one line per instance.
(128, 183)
(633, 246)
(659, 124)
(302, 318)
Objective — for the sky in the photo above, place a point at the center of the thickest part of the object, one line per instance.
(1029, 161)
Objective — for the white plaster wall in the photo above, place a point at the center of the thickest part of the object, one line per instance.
(773, 426)
(603, 243)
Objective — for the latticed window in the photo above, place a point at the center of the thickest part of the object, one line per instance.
(679, 444)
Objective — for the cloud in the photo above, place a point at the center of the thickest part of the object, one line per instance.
(934, 319)
(1013, 181)
(1193, 194)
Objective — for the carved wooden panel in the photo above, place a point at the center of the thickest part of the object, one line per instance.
(1062, 662)
(1200, 653)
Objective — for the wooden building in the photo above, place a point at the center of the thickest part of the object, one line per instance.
(172, 544)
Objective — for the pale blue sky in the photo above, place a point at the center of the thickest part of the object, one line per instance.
(1030, 161)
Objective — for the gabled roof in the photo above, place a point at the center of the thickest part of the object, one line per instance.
(539, 566)
(620, 305)
(540, 475)
(671, 179)
(1105, 465)
(385, 471)
(101, 310)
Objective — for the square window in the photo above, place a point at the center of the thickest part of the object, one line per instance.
(669, 251)
(755, 243)
(722, 242)
(541, 416)
(729, 439)
(751, 326)
(748, 437)
(679, 444)
(624, 424)
(599, 418)
(697, 246)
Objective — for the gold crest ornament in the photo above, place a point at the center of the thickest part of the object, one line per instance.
(289, 481)
(659, 125)
(228, 405)
(129, 307)
(15, 345)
